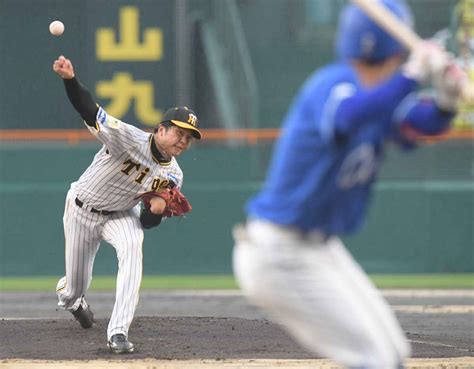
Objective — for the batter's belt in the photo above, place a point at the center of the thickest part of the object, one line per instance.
(290, 232)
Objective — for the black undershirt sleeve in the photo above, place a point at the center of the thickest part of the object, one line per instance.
(148, 219)
(82, 100)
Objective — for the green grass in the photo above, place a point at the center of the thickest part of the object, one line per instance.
(451, 281)
(460, 281)
(108, 283)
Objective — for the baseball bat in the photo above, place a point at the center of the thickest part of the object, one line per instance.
(401, 32)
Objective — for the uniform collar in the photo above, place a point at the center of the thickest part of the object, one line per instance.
(156, 154)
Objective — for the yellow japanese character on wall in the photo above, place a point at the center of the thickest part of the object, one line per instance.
(129, 47)
(122, 90)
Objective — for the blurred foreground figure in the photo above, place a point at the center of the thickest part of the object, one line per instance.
(288, 258)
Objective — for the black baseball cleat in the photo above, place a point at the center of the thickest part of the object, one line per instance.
(84, 315)
(119, 344)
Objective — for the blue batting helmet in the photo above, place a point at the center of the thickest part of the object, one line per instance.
(359, 37)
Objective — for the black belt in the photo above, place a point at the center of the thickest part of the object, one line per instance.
(92, 210)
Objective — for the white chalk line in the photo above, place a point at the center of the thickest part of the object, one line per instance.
(444, 363)
(385, 292)
(439, 344)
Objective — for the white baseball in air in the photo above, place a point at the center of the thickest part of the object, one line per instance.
(56, 28)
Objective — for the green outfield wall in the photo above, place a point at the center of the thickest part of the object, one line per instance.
(421, 219)
(238, 63)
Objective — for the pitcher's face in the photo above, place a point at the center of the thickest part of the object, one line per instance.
(173, 140)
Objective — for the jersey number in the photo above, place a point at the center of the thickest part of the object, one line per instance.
(358, 167)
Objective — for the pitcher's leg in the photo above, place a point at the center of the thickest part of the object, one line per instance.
(81, 245)
(124, 232)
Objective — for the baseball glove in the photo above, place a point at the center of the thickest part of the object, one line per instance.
(176, 202)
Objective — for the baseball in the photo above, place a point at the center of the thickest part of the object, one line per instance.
(56, 28)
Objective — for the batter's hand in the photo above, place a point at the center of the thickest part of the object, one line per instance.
(63, 67)
(448, 85)
(424, 61)
(432, 64)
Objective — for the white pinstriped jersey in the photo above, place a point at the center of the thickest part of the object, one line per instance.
(123, 168)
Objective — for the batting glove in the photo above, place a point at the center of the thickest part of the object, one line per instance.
(448, 85)
(427, 60)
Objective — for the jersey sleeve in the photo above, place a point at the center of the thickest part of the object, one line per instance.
(337, 95)
(366, 106)
(116, 135)
(418, 115)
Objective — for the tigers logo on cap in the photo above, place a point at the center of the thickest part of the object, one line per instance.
(183, 117)
(192, 119)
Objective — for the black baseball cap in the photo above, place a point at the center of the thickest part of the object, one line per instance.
(183, 117)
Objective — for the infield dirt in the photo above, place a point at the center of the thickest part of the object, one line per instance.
(177, 338)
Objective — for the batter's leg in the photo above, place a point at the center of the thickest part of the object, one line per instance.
(124, 232)
(82, 239)
(387, 324)
(321, 296)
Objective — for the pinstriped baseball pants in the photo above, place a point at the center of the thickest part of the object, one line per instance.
(83, 232)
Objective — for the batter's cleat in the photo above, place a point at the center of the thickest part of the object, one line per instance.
(84, 315)
(119, 344)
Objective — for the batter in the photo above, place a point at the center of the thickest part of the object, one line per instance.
(289, 258)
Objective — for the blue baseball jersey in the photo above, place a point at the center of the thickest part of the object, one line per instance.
(332, 144)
